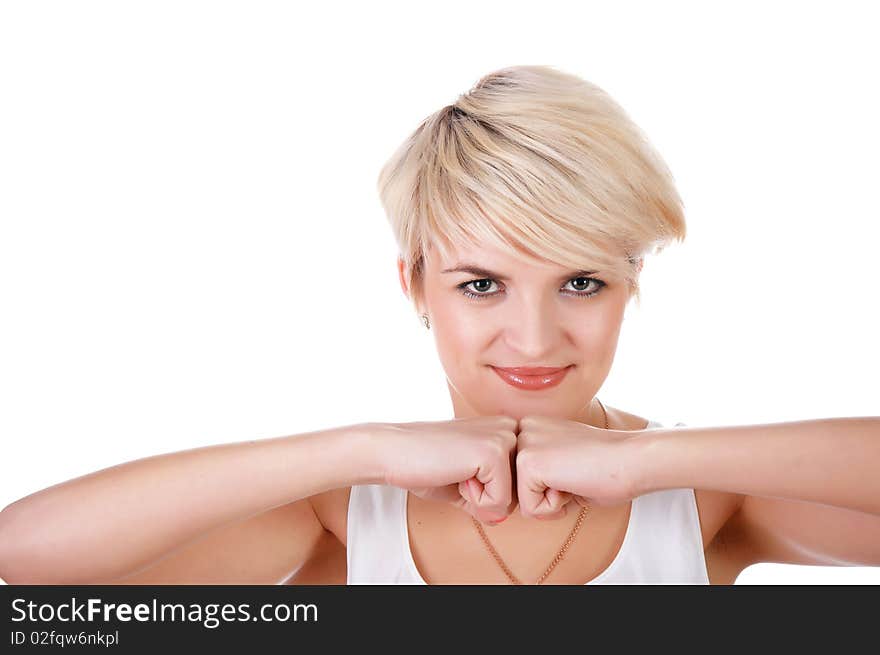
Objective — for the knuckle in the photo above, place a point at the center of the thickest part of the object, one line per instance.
(507, 439)
(507, 422)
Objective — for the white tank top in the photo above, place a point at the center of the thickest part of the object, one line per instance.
(663, 543)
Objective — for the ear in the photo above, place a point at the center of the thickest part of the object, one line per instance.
(401, 267)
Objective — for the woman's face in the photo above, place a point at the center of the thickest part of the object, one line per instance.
(522, 313)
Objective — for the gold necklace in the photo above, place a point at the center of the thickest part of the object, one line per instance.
(577, 524)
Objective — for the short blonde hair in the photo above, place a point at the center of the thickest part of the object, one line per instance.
(537, 161)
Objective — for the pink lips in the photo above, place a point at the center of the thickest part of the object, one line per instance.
(532, 379)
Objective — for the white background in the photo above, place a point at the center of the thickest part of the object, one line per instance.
(193, 251)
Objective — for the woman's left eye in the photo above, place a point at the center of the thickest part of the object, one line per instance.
(578, 283)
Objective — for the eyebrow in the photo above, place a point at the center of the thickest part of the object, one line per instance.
(486, 273)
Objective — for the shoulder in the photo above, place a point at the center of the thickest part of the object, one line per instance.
(621, 420)
(331, 508)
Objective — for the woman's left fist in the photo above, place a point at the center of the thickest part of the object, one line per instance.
(558, 461)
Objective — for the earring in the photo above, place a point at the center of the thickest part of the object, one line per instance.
(426, 321)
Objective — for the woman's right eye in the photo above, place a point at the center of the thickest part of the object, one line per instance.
(481, 286)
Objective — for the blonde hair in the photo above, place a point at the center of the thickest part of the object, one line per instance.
(537, 161)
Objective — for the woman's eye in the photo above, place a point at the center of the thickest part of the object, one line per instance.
(583, 287)
(583, 283)
(480, 286)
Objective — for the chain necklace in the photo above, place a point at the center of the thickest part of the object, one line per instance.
(577, 524)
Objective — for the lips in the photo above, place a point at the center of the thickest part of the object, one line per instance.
(532, 379)
(523, 370)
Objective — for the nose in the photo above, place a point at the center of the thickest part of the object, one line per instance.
(533, 330)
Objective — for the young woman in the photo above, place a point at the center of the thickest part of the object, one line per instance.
(523, 213)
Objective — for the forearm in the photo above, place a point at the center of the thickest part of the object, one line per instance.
(109, 522)
(833, 461)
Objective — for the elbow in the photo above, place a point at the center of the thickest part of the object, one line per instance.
(10, 569)
(18, 554)
(33, 553)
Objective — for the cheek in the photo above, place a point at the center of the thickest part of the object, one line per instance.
(459, 338)
(603, 329)
(458, 333)
(599, 335)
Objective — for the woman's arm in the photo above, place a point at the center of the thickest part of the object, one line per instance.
(832, 461)
(264, 549)
(109, 523)
(811, 488)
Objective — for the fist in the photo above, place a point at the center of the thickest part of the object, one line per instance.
(560, 461)
(466, 462)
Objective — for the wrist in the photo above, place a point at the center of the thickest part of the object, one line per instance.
(642, 459)
(366, 447)
(347, 455)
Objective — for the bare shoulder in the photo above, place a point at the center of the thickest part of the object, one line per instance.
(621, 420)
(331, 508)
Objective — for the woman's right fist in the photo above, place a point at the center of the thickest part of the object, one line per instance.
(468, 462)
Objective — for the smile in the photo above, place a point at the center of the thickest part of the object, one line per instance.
(545, 380)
